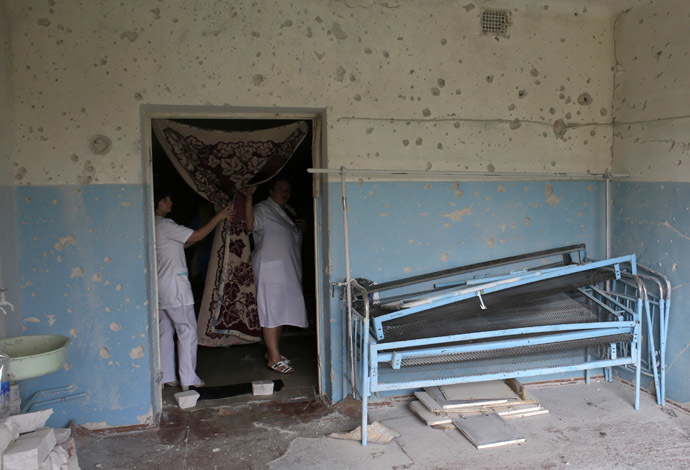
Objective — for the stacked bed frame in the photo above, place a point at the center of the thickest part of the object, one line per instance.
(539, 313)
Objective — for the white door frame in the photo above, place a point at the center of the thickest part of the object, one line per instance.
(149, 112)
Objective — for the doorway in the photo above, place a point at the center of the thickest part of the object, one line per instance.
(245, 362)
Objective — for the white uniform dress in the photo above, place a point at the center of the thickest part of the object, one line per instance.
(175, 303)
(277, 262)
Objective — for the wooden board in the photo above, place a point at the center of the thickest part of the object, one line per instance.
(492, 390)
(430, 404)
(423, 413)
(431, 418)
(525, 414)
(489, 430)
(447, 405)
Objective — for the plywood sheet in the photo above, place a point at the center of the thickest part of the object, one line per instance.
(448, 405)
(495, 389)
(423, 413)
(430, 404)
(486, 431)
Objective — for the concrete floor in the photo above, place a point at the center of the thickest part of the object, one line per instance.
(589, 427)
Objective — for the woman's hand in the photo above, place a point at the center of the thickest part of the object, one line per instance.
(229, 211)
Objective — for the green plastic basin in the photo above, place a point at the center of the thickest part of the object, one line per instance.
(34, 356)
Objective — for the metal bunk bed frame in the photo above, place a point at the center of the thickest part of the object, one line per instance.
(382, 361)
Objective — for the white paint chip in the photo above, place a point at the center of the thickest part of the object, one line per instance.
(551, 198)
(105, 353)
(115, 326)
(98, 277)
(137, 352)
(457, 215)
(77, 272)
(51, 320)
(73, 332)
(63, 241)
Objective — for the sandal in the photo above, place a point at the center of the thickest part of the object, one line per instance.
(282, 358)
(282, 367)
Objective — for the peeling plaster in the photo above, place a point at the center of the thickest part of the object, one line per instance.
(63, 241)
(137, 353)
(551, 198)
(457, 215)
(96, 426)
(77, 272)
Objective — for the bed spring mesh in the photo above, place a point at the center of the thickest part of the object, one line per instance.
(548, 302)
(597, 346)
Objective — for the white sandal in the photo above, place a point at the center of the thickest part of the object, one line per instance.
(282, 367)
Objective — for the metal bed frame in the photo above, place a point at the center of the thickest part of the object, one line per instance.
(537, 316)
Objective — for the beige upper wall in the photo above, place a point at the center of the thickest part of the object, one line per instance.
(407, 84)
(652, 92)
(5, 125)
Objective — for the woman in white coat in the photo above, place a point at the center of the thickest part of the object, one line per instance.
(175, 299)
(277, 263)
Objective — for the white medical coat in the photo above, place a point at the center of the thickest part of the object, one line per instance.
(174, 288)
(277, 262)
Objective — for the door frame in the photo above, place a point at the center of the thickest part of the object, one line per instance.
(149, 112)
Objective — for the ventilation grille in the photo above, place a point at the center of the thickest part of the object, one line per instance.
(495, 22)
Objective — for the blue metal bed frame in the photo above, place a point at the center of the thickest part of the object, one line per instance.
(381, 365)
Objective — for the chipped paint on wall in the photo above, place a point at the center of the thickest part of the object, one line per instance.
(106, 358)
(652, 92)
(417, 98)
(415, 237)
(653, 221)
(651, 144)
(10, 324)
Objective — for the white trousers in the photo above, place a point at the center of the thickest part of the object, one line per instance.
(180, 320)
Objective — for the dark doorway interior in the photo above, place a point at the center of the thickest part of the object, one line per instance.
(192, 210)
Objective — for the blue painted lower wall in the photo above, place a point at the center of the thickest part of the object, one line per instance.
(400, 229)
(83, 268)
(83, 274)
(653, 221)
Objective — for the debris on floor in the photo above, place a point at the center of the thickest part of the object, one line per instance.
(186, 399)
(478, 410)
(376, 433)
(262, 387)
(25, 443)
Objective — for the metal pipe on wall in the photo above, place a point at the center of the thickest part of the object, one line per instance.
(480, 174)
